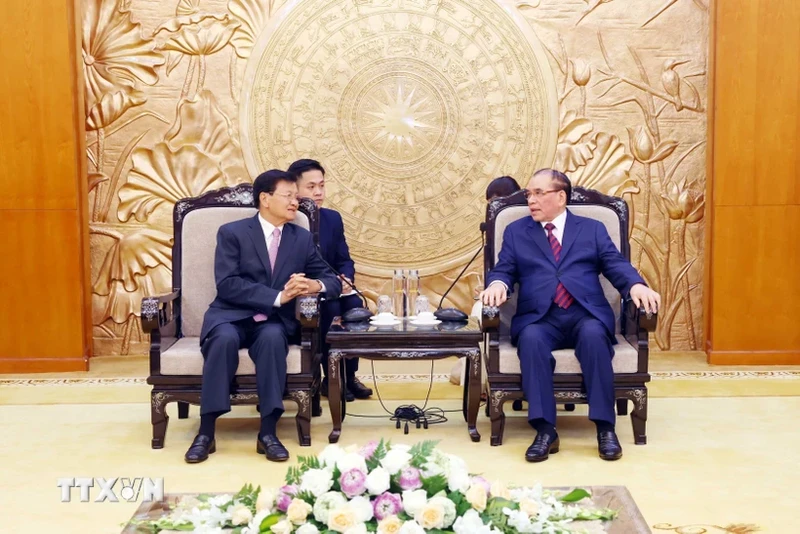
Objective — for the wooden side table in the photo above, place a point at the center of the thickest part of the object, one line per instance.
(405, 341)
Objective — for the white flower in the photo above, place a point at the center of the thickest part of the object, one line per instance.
(316, 481)
(529, 506)
(430, 516)
(265, 501)
(471, 523)
(500, 490)
(476, 497)
(414, 500)
(307, 528)
(362, 507)
(400, 447)
(298, 511)
(449, 508)
(282, 527)
(411, 527)
(220, 500)
(330, 455)
(350, 461)
(458, 480)
(520, 521)
(254, 527)
(395, 460)
(431, 469)
(361, 528)
(378, 481)
(390, 525)
(343, 518)
(327, 502)
(240, 514)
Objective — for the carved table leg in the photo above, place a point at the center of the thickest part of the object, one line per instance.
(335, 394)
(639, 416)
(473, 360)
(498, 417)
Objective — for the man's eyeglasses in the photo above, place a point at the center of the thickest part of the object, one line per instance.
(538, 193)
(287, 197)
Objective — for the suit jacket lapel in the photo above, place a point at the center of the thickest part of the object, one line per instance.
(284, 251)
(540, 238)
(260, 242)
(571, 230)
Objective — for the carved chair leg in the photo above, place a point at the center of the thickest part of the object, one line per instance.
(622, 407)
(316, 405)
(159, 419)
(304, 399)
(498, 417)
(639, 418)
(183, 410)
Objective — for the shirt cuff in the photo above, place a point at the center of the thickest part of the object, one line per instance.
(322, 286)
(499, 282)
(277, 303)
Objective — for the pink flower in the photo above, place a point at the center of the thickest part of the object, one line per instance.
(386, 505)
(410, 479)
(481, 481)
(285, 496)
(353, 483)
(368, 450)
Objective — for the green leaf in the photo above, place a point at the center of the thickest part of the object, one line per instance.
(380, 453)
(267, 522)
(420, 452)
(575, 495)
(435, 484)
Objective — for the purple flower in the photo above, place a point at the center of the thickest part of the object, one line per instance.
(368, 450)
(410, 479)
(387, 504)
(285, 496)
(353, 483)
(478, 480)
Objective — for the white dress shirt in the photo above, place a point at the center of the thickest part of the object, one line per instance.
(268, 228)
(559, 222)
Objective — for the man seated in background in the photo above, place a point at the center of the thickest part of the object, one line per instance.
(260, 265)
(333, 246)
(557, 258)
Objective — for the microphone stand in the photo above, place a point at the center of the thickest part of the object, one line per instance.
(355, 314)
(454, 314)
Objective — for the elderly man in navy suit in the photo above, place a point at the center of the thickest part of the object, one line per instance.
(261, 264)
(333, 246)
(557, 257)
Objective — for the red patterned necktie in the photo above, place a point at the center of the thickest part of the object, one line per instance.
(563, 298)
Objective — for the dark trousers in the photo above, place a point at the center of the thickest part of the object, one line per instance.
(331, 309)
(560, 329)
(268, 347)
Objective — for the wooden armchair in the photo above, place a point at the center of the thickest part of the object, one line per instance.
(630, 362)
(174, 320)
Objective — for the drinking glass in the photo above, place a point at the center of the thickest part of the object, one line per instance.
(384, 304)
(421, 305)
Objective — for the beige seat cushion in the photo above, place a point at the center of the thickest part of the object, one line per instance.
(184, 358)
(625, 360)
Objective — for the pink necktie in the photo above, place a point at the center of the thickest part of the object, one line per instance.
(273, 254)
(563, 298)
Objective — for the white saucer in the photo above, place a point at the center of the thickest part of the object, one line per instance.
(386, 323)
(426, 323)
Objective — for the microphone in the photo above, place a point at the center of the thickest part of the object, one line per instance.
(356, 314)
(454, 314)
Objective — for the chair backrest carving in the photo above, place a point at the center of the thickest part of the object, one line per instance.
(196, 221)
(611, 211)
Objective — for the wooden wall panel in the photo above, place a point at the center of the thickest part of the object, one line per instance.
(753, 308)
(44, 310)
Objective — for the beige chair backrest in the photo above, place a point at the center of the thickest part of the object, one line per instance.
(198, 243)
(604, 214)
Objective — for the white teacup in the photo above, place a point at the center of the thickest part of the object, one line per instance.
(425, 317)
(383, 317)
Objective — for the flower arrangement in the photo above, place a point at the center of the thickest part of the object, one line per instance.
(387, 489)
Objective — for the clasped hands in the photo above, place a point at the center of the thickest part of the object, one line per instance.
(642, 296)
(298, 285)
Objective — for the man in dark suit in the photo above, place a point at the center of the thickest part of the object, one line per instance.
(260, 265)
(557, 257)
(333, 246)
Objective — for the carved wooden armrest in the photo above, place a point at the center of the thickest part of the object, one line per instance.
(490, 318)
(307, 310)
(638, 319)
(158, 313)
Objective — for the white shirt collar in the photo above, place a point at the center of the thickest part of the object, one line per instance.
(559, 222)
(268, 227)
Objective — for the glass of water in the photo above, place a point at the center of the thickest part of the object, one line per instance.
(421, 305)
(384, 304)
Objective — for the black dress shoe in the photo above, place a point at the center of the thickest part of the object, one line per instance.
(348, 395)
(272, 447)
(542, 446)
(608, 445)
(201, 447)
(358, 389)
